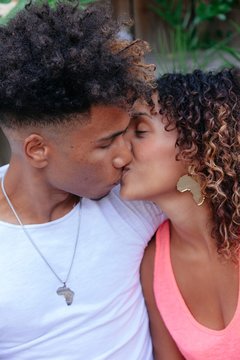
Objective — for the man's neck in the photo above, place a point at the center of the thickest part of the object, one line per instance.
(34, 200)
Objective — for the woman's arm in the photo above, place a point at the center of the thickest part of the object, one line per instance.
(164, 346)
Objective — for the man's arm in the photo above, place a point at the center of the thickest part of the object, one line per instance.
(164, 346)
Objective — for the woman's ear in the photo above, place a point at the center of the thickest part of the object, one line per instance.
(36, 150)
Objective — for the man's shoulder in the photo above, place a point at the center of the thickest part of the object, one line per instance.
(138, 205)
(145, 211)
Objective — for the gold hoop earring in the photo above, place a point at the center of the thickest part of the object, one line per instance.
(188, 183)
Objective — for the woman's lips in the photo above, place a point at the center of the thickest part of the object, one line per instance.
(125, 171)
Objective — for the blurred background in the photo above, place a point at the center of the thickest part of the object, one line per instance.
(183, 35)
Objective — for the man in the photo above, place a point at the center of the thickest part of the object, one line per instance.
(70, 264)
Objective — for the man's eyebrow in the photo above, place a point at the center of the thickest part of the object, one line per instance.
(136, 114)
(113, 136)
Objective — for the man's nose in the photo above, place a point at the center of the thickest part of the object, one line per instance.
(124, 155)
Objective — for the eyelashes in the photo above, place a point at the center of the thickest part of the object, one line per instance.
(140, 133)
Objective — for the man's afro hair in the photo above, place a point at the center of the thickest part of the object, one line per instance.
(63, 59)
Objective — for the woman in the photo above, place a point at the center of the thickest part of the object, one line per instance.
(186, 158)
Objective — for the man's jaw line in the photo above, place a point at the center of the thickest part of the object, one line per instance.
(102, 196)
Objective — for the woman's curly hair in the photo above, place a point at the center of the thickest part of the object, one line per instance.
(205, 108)
(63, 60)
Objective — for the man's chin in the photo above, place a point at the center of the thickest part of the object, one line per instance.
(100, 198)
(103, 195)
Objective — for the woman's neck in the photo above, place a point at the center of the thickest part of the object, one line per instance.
(190, 224)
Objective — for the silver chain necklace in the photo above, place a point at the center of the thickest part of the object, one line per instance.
(62, 290)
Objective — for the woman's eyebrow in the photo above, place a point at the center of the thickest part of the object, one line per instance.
(136, 114)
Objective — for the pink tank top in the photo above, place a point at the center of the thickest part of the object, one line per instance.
(195, 341)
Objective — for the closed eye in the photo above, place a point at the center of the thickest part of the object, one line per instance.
(105, 146)
(107, 142)
(140, 133)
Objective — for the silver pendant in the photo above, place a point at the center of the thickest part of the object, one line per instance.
(67, 293)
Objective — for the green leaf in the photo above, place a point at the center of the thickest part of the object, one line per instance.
(221, 17)
(19, 6)
(5, 1)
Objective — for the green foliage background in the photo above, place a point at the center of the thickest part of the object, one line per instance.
(187, 41)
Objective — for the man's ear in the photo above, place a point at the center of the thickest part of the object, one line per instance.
(36, 150)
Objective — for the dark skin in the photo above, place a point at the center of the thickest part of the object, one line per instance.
(212, 303)
(51, 168)
(193, 250)
(163, 346)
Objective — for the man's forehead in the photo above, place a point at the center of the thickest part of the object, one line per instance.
(107, 122)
